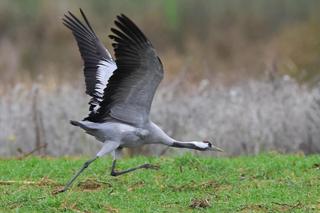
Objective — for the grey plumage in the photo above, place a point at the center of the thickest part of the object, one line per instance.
(120, 116)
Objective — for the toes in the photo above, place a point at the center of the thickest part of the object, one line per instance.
(150, 166)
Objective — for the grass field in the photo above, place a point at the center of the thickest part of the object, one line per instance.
(264, 183)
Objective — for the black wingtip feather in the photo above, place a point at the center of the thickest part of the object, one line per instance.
(128, 22)
(85, 19)
(74, 123)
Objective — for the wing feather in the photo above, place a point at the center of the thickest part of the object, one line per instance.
(98, 63)
(130, 90)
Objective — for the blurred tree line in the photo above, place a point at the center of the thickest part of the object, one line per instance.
(230, 39)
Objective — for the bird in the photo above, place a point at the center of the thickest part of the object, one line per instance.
(121, 91)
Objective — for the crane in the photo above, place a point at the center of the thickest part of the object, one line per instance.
(121, 91)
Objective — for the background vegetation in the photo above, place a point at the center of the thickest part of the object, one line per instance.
(245, 73)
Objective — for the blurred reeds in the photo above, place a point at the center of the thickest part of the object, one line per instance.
(243, 72)
(257, 116)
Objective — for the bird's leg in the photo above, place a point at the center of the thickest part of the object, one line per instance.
(143, 166)
(84, 166)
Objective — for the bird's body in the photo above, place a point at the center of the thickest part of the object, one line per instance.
(121, 90)
(127, 135)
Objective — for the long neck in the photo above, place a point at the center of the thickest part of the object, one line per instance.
(163, 138)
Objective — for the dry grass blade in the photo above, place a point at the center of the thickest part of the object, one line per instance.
(45, 181)
(286, 207)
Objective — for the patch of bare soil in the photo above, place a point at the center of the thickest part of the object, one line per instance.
(91, 184)
(200, 203)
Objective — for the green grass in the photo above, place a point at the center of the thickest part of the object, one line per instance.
(264, 183)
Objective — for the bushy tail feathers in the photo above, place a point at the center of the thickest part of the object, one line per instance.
(88, 126)
(75, 123)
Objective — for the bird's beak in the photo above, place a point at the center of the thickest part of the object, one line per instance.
(215, 148)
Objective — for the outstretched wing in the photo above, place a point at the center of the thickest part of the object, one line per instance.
(130, 90)
(98, 63)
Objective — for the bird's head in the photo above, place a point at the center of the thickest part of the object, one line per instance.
(213, 147)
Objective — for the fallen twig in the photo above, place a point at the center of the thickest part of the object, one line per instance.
(32, 151)
(288, 205)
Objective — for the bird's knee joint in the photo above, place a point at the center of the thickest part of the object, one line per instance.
(86, 164)
(113, 173)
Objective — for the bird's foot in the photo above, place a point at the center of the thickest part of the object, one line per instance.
(150, 166)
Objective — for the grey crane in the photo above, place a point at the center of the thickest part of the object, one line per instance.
(121, 91)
